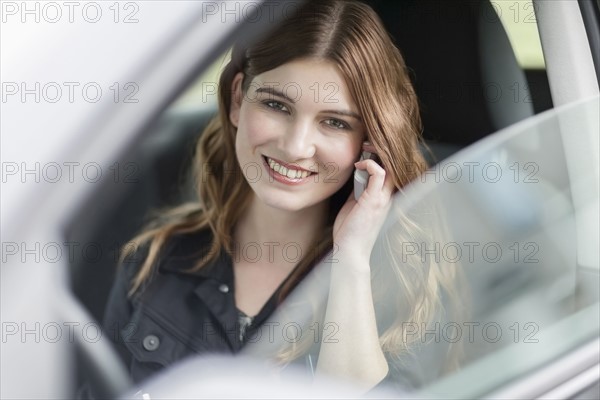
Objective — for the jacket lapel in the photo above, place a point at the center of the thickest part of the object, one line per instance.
(216, 287)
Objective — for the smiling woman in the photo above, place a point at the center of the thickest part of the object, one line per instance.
(273, 170)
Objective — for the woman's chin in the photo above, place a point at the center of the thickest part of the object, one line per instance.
(286, 202)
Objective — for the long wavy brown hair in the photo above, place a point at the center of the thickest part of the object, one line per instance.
(350, 35)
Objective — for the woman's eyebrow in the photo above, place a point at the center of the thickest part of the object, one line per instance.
(343, 113)
(274, 92)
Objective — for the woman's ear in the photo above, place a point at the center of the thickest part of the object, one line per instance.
(236, 99)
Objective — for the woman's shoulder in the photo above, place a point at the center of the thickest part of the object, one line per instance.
(178, 254)
(178, 246)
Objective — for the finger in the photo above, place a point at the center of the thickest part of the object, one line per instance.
(388, 181)
(376, 174)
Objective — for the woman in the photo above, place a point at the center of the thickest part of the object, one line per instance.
(274, 172)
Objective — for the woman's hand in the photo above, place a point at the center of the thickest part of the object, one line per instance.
(358, 223)
(356, 355)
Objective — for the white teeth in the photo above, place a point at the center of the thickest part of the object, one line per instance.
(290, 173)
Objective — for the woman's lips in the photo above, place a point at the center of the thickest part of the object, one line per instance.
(283, 174)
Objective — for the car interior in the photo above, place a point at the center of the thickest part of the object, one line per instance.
(460, 57)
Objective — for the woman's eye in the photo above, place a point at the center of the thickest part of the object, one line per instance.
(337, 124)
(276, 105)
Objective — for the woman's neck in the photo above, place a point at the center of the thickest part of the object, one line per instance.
(277, 229)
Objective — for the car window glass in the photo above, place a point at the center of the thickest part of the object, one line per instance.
(519, 21)
(203, 92)
(501, 221)
(518, 17)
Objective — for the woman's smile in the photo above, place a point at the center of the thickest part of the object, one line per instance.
(287, 173)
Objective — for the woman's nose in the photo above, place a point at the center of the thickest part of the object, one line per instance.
(298, 141)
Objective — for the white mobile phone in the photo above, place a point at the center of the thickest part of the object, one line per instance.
(361, 176)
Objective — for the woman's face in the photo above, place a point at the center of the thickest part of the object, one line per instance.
(298, 133)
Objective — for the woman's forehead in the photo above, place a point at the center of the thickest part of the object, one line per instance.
(317, 80)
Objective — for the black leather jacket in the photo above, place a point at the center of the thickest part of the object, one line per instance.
(178, 314)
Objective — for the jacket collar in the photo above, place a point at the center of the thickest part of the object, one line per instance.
(184, 251)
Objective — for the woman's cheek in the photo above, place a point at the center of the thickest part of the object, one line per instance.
(345, 174)
(260, 129)
(344, 159)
